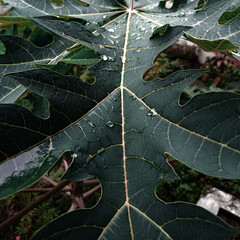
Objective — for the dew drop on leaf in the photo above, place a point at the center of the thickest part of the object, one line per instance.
(152, 113)
(110, 124)
(111, 59)
(90, 123)
(104, 58)
(132, 98)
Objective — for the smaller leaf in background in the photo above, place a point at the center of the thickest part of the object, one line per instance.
(2, 48)
(229, 15)
(35, 103)
(81, 55)
(6, 21)
(161, 30)
(61, 68)
(201, 5)
(12, 30)
(220, 45)
(57, 3)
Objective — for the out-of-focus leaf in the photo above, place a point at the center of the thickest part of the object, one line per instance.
(6, 21)
(36, 104)
(81, 55)
(221, 45)
(229, 15)
(2, 48)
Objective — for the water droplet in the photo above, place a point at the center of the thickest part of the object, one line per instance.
(74, 155)
(104, 58)
(111, 59)
(142, 29)
(182, 14)
(152, 113)
(94, 131)
(132, 98)
(110, 124)
(186, 19)
(111, 30)
(90, 123)
(104, 16)
(112, 42)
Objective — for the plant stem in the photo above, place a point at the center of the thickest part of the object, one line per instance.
(132, 5)
(67, 189)
(89, 182)
(32, 205)
(49, 180)
(91, 192)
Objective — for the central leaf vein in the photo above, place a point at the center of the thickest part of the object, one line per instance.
(123, 119)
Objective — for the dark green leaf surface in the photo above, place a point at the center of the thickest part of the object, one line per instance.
(120, 129)
(22, 55)
(204, 22)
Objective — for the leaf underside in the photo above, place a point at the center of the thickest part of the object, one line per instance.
(121, 127)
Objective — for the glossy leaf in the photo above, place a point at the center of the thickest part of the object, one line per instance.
(22, 55)
(204, 21)
(120, 129)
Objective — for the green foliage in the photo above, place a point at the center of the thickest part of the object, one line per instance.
(192, 184)
(119, 127)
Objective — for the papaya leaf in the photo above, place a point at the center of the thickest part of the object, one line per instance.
(120, 128)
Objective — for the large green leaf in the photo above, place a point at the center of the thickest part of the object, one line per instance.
(204, 20)
(120, 129)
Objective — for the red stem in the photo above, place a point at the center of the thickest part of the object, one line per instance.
(132, 5)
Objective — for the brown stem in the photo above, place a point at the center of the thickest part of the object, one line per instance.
(32, 205)
(80, 202)
(66, 189)
(91, 192)
(77, 194)
(88, 183)
(49, 180)
(132, 5)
